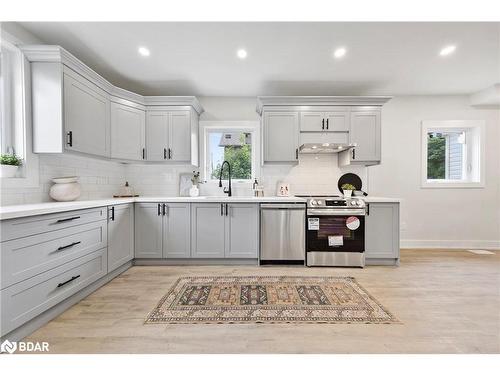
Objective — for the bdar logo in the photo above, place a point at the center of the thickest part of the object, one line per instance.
(8, 347)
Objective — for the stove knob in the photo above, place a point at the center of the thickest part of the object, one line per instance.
(360, 203)
(313, 202)
(319, 203)
(353, 203)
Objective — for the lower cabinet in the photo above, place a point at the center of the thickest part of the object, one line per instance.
(162, 230)
(120, 235)
(382, 232)
(224, 230)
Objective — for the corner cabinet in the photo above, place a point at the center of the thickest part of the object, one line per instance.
(280, 137)
(225, 230)
(120, 235)
(128, 127)
(382, 233)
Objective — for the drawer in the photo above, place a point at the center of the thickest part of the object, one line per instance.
(29, 226)
(26, 257)
(24, 301)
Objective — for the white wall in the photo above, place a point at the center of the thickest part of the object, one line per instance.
(437, 217)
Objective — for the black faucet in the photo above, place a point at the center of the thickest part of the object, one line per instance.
(228, 191)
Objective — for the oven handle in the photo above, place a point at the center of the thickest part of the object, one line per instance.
(335, 212)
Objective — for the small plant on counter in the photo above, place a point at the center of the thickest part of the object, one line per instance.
(7, 159)
(348, 187)
(196, 178)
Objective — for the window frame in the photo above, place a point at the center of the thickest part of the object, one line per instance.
(207, 127)
(474, 152)
(28, 176)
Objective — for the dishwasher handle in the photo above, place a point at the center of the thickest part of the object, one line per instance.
(282, 206)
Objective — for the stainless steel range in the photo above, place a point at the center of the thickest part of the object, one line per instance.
(335, 231)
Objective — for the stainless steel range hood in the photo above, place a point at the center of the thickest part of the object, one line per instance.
(324, 148)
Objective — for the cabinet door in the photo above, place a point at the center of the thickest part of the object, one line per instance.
(148, 230)
(207, 230)
(127, 132)
(281, 136)
(242, 231)
(382, 230)
(180, 136)
(176, 230)
(86, 117)
(120, 235)
(337, 121)
(312, 121)
(365, 132)
(157, 135)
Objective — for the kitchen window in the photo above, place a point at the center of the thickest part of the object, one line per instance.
(452, 154)
(231, 141)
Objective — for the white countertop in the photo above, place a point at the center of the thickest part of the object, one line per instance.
(24, 210)
(369, 199)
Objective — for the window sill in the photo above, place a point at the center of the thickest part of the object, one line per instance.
(452, 185)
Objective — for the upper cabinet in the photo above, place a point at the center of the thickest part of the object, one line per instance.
(169, 136)
(291, 123)
(75, 109)
(280, 136)
(128, 129)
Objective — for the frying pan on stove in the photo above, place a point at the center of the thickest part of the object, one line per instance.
(354, 180)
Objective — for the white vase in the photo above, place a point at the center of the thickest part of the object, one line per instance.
(194, 191)
(65, 189)
(347, 193)
(8, 171)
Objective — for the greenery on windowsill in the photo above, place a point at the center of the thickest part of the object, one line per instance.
(8, 159)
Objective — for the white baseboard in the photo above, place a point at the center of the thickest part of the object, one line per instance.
(450, 244)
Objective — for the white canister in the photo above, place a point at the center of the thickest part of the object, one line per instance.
(65, 189)
(347, 193)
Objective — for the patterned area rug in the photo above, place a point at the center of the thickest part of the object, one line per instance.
(269, 299)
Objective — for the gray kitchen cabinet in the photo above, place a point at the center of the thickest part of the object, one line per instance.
(168, 135)
(120, 235)
(365, 132)
(333, 121)
(176, 230)
(242, 231)
(127, 132)
(280, 136)
(86, 116)
(207, 230)
(382, 233)
(148, 230)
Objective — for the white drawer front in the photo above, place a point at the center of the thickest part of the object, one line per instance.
(23, 301)
(30, 256)
(29, 226)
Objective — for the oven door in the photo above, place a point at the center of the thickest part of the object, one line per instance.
(335, 230)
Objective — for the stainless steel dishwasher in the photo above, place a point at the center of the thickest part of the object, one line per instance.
(282, 233)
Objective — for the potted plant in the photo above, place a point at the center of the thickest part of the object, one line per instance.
(9, 164)
(347, 189)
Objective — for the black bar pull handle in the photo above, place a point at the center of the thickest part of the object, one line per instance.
(164, 153)
(326, 124)
(169, 153)
(368, 209)
(353, 154)
(297, 154)
(66, 220)
(227, 209)
(113, 213)
(68, 246)
(159, 209)
(69, 142)
(221, 209)
(323, 124)
(70, 280)
(164, 209)
(143, 153)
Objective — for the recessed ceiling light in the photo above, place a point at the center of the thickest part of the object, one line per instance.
(143, 51)
(241, 53)
(448, 50)
(339, 52)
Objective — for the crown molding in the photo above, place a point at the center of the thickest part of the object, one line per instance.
(57, 54)
(263, 101)
(487, 98)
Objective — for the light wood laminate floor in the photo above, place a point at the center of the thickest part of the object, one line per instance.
(448, 302)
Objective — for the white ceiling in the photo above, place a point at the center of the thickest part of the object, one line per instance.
(284, 58)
